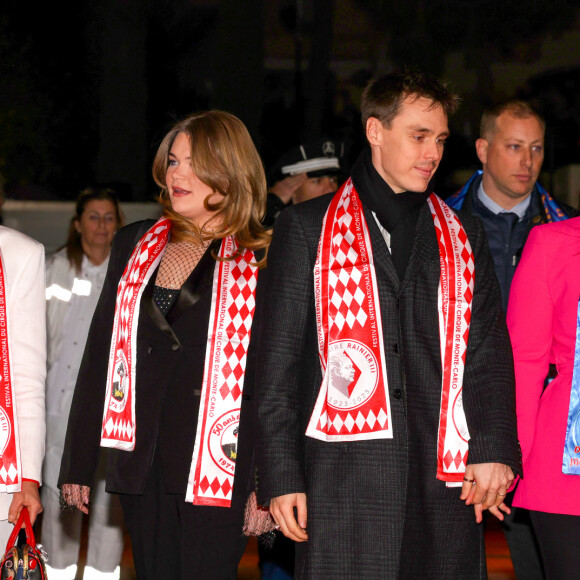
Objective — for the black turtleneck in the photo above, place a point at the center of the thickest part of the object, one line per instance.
(398, 213)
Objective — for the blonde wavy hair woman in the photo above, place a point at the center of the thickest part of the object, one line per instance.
(223, 157)
(176, 378)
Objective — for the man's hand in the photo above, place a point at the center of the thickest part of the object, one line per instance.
(282, 510)
(484, 486)
(76, 495)
(28, 497)
(285, 188)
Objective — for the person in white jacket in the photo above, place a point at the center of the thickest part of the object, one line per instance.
(74, 279)
(23, 360)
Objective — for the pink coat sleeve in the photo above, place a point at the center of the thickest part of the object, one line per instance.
(529, 320)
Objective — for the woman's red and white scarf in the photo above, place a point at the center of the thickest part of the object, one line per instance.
(232, 309)
(10, 466)
(353, 402)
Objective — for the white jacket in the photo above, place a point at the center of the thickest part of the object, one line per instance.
(71, 299)
(24, 277)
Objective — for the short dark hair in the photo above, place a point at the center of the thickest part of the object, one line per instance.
(383, 97)
(515, 108)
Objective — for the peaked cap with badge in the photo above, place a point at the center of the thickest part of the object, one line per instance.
(320, 157)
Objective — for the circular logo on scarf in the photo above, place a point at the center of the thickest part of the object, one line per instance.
(223, 441)
(352, 374)
(5, 431)
(120, 382)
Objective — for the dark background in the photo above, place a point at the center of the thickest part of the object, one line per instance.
(88, 89)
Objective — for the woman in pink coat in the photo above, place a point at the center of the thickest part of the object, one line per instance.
(543, 316)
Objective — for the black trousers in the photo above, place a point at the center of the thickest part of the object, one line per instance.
(558, 536)
(522, 542)
(175, 539)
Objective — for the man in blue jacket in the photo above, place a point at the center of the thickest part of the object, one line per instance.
(506, 196)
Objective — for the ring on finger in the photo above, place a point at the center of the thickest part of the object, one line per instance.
(469, 480)
(502, 494)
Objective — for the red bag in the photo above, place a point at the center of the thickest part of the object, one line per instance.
(25, 561)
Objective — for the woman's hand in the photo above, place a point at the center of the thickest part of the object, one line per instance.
(484, 486)
(76, 495)
(282, 510)
(28, 497)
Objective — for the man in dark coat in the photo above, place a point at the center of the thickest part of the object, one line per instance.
(367, 507)
(508, 199)
(506, 194)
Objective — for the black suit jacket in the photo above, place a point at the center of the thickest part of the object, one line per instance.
(375, 508)
(170, 364)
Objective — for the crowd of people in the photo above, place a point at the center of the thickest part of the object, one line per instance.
(325, 352)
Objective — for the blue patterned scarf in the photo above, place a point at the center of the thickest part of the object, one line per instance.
(554, 213)
(571, 461)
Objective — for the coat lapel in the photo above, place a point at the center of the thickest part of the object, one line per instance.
(384, 266)
(150, 309)
(199, 281)
(425, 246)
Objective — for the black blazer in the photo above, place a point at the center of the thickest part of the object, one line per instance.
(170, 364)
(375, 508)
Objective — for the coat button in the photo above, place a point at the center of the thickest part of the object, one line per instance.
(397, 393)
(149, 349)
(174, 347)
(395, 348)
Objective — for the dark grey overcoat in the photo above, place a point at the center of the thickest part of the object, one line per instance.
(375, 508)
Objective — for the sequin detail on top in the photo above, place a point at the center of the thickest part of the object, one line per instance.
(164, 298)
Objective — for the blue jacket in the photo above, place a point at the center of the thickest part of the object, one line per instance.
(506, 237)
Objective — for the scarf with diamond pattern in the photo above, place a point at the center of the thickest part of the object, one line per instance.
(353, 402)
(232, 309)
(10, 467)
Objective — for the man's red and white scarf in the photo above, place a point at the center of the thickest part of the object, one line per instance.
(10, 466)
(353, 402)
(232, 309)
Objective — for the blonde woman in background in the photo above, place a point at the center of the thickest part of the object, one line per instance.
(74, 279)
